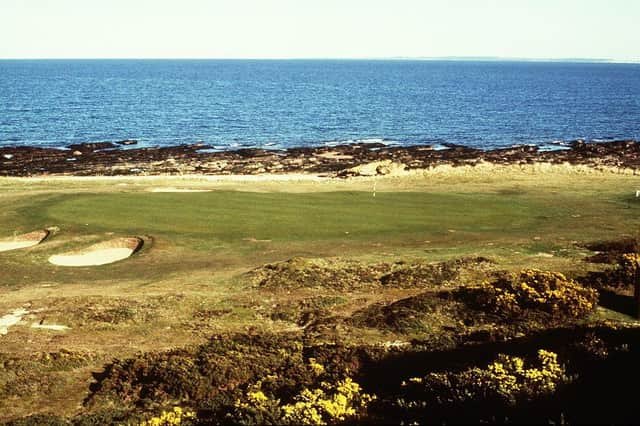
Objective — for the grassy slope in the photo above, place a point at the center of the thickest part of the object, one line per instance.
(202, 241)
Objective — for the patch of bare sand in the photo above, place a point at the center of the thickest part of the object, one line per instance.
(99, 254)
(334, 155)
(22, 241)
(11, 319)
(54, 327)
(538, 168)
(265, 177)
(171, 189)
(376, 168)
(437, 177)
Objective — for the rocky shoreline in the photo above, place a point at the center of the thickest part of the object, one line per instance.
(110, 159)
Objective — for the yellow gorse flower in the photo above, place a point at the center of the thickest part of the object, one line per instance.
(532, 288)
(170, 418)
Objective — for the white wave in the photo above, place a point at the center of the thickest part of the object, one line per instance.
(211, 150)
(439, 147)
(555, 147)
(387, 142)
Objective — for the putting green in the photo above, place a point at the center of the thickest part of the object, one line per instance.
(226, 216)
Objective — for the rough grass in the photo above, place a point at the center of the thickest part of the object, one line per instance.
(190, 281)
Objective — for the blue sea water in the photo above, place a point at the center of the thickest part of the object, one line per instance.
(284, 103)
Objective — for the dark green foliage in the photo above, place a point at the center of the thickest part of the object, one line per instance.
(198, 374)
(108, 417)
(40, 420)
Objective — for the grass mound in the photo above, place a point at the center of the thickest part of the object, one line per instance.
(438, 319)
(610, 251)
(37, 373)
(343, 274)
(434, 274)
(306, 310)
(337, 274)
(426, 311)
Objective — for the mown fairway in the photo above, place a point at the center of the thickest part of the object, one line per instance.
(230, 223)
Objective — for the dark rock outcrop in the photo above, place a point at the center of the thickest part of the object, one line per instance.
(106, 158)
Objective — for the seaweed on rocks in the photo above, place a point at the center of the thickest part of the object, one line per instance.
(109, 159)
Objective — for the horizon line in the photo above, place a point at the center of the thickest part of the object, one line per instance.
(345, 58)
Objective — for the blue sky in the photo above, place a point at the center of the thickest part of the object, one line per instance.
(319, 29)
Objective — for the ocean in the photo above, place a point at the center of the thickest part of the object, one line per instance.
(232, 104)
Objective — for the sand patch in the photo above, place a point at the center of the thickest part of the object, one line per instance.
(334, 155)
(255, 240)
(11, 319)
(22, 241)
(376, 168)
(99, 254)
(541, 254)
(169, 189)
(54, 327)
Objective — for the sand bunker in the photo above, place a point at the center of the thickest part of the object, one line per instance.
(99, 254)
(24, 240)
(11, 319)
(179, 190)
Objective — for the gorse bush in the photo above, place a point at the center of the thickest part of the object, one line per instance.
(330, 403)
(322, 402)
(626, 274)
(532, 289)
(224, 364)
(175, 417)
(506, 382)
(622, 276)
(326, 404)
